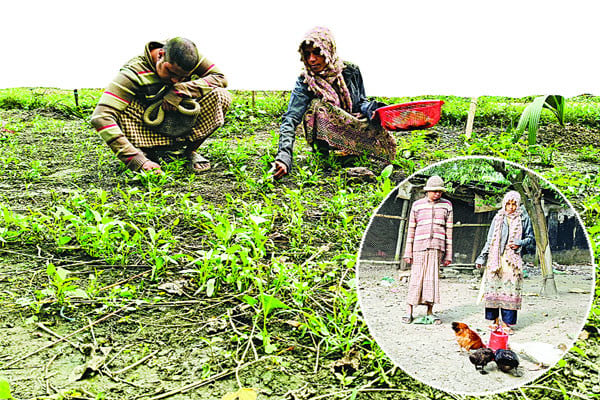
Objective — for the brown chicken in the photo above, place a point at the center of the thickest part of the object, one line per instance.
(467, 338)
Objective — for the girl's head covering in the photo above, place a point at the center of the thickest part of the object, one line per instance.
(515, 231)
(512, 196)
(329, 84)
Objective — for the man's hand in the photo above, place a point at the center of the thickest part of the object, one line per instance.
(280, 169)
(478, 266)
(514, 246)
(408, 260)
(151, 166)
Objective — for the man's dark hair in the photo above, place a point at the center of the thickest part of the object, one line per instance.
(181, 51)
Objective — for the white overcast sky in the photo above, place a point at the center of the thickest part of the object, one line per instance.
(404, 48)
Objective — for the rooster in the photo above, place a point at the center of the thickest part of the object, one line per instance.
(507, 360)
(467, 338)
(480, 358)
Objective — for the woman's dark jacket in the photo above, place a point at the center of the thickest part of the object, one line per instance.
(300, 100)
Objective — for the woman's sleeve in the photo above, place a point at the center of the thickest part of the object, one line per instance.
(449, 226)
(299, 101)
(482, 259)
(410, 234)
(367, 108)
(527, 237)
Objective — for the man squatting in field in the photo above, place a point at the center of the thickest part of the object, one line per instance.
(169, 72)
(428, 245)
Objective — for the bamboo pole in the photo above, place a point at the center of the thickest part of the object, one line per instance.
(471, 117)
(400, 239)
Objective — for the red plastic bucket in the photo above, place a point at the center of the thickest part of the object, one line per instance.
(498, 340)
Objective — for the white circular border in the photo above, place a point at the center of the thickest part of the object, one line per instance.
(553, 187)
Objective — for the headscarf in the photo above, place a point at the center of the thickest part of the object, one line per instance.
(508, 197)
(328, 84)
(512, 258)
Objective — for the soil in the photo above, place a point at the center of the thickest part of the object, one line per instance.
(148, 348)
(431, 354)
(189, 337)
(164, 341)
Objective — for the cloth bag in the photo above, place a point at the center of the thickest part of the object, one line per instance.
(172, 123)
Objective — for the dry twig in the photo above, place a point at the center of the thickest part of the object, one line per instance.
(46, 376)
(65, 337)
(124, 280)
(318, 352)
(118, 353)
(206, 381)
(523, 393)
(135, 364)
(238, 367)
(56, 335)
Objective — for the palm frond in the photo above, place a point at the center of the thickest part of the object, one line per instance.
(530, 118)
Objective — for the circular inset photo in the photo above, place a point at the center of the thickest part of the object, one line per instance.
(475, 275)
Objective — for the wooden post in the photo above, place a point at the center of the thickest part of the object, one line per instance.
(76, 94)
(400, 239)
(404, 192)
(253, 99)
(479, 234)
(471, 117)
(533, 190)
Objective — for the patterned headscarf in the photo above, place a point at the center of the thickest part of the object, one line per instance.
(515, 231)
(508, 197)
(328, 84)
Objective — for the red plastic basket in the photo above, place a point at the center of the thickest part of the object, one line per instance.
(409, 116)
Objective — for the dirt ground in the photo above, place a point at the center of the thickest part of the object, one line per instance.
(162, 342)
(431, 354)
(146, 349)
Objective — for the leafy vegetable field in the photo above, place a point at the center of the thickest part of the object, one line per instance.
(117, 285)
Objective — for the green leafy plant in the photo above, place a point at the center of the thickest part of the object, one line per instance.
(5, 390)
(62, 283)
(545, 153)
(589, 154)
(385, 184)
(530, 119)
(268, 303)
(286, 248)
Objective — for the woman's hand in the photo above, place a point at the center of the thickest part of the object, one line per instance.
(280, 169)
(478, 266)
(151, 166)
(514, 246)
(408, 260)
(446, 263)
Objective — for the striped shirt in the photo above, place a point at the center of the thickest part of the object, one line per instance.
(138, 79)
(430, 227)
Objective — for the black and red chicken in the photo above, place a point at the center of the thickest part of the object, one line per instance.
(480, 358)
(507, 360)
